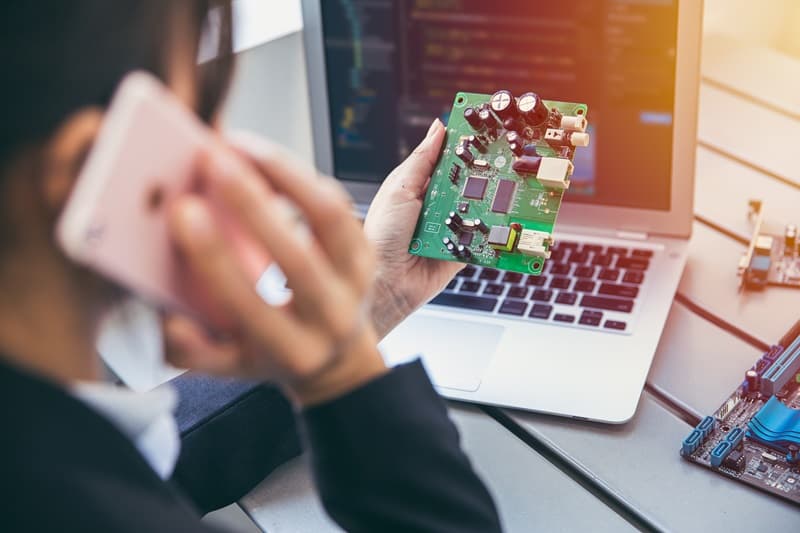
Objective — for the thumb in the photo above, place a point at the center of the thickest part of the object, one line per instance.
(418, 167)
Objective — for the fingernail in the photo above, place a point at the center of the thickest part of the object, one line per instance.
(433, 127)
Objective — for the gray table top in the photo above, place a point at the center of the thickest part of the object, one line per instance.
(698, 363)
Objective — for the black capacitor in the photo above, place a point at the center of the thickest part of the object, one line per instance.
(481, 226)
(447, 241)
(488, 120)
(454, 226)
(532, 109)
(503, 104)
(527, 165)
(476, 142)
(752, 379)
(463, 252)
(472, 118)
(463, 152)
(516, 148)
(455, 216)
(513, 137)
(512, 124)
(452, 248)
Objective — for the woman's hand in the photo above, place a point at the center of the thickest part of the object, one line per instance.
(320, 344)
(404, 282)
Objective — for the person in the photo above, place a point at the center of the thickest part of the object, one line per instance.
(81, 455)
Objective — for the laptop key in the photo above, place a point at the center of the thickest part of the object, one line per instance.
(612, 289)
(584, 272)
(560, 283)
(633, 276)
(518, 292)
(494, 289)
(607, 304)
(470, 286)
(616, 250)
(452, 285)
(557, 255)
(602, 260)
(489, 274)
(615, 324)
(596, 248)
(591, 318)
(608, 274)
(541, 311)
(564, 318)
(542, 295)
(560, 269)
(513, 307)
(633, 263)
(464, 301)
(584, 285)
(567, 298)
(578, 257)
(512, 277)
(642, 253)
(536, 281)
(467, 272)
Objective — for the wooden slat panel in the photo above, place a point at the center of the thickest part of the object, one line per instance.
(760, 73)
(762, 137)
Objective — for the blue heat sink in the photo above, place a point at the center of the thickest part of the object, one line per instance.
(776, 425)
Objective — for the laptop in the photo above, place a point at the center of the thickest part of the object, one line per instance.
(577, 341)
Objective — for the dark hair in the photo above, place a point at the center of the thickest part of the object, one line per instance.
(60, 56)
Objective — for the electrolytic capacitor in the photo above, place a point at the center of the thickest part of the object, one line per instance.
(463, 252)
(481, 226)
(511, 124)
(527, 165)
(532, 109)
(464, 154)
(752, 379)
(472, 118)
(513, 137)
(475, 142)
(489, 121)
(454, 226)
(516, 148)
(456, 217)
(503, 104)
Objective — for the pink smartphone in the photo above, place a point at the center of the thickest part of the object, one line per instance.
(115, 221)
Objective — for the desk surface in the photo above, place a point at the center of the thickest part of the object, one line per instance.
(564, 475)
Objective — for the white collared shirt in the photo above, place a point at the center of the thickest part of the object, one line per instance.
(146, 418)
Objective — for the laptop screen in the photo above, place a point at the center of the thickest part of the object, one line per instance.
(394, 65)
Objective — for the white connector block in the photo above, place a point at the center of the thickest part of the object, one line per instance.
(535, 243)
(555, 172)
(574, 124)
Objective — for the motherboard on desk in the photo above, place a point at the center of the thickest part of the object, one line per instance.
(496, 190)
(754, 437)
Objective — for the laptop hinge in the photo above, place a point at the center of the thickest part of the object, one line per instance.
(632, 235)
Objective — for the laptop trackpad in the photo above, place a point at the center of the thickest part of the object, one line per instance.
(455, 352)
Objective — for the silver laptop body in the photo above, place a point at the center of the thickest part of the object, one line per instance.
(593, 365)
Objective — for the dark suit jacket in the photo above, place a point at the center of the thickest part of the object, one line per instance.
(385, 458)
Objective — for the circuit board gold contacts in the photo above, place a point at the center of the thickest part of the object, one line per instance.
(496, 191)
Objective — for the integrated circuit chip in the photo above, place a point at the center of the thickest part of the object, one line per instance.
(475, 188)
(504, 196)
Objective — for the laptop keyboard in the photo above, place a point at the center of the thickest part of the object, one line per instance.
(586, 285)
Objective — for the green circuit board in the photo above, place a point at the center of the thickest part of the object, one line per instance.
(497, 188)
